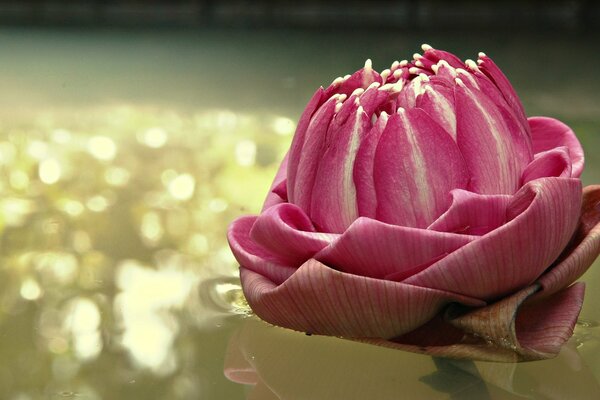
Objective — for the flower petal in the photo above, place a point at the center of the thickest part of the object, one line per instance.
(544, 326)
(285, 231)
(376, 249)
(278, 191)
(549, 133)
(437, 100)
(542, 218)
(555, 162)
(366, 198)
(295, 152)
(302, 168)
(582, 251)
(513, 329)
(472, 213)
(416, 165)
(334, 205)
(253, 256)
(318, 299)
(501, 81)
(483, 137)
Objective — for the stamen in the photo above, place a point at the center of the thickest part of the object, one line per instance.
(403, 63)
(414, 70)
(417, 56)
(471, 64)
(481, 54)
(395, 64)
(385, 74)
(368, 64)
(337, 81)
(338, 107)
(374, 85)
(397, 73)
(426, 47)
(358, 92)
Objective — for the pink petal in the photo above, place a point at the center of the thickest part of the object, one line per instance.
(375, 249)
(436, 55)
(360, 79)
(549, 133)
(334, 206)
(555, 162)
(542, 218)
(285, 231)
(416, 165)
(484, 138)
(295, 152)
(512, 329)
(472, 213)
(366, 198)
(495, 74)
(251, 255)
(437, 100)
(321, 300)
(278, 191)
(545, 326)
(582, 251)
(301, 176)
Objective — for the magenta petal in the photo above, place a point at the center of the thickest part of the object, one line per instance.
(544, 326)
(495, 74)
(549, 133)
(251, 255)
(333, 206)
(318, 299)
(512, 329)
(301, 176)
(278, 191)
(555, 162)
(295, 152)
(361, 79)
(507, 258)
(482, 136)
(438, 101)
(416, 165)
(284, 230)
(583, 249)
(472, 213)
(366, 197)
(375, 249)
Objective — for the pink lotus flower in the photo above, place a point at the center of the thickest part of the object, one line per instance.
(419, 208)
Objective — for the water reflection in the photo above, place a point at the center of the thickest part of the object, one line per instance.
(280, 364)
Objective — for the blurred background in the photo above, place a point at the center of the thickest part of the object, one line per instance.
(133, 132)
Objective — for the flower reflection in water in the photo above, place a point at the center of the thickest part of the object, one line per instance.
(278, 363)
(116, 279)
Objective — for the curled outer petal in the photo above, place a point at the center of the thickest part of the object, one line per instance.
(507, 258)
(512, 329)
(379, 250)
(318, 299)
(549, 133)
(583, 249)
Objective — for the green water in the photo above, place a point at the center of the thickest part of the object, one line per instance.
(125, 154)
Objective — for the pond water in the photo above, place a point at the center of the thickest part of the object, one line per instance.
(125, 154)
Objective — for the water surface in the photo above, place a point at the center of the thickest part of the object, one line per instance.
(125, 154)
